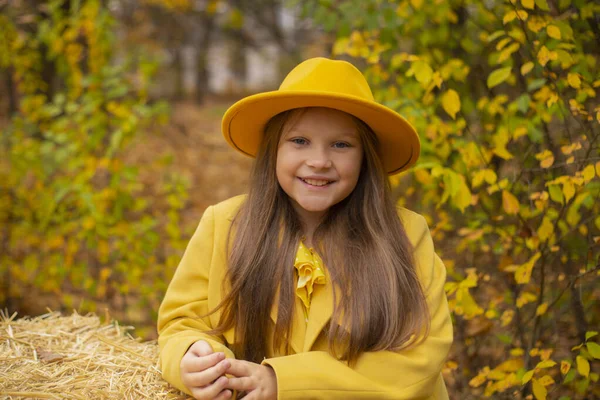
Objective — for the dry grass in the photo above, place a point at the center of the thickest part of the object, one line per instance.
(77, 357)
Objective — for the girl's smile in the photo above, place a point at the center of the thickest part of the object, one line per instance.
(319, 159)
(317, 181)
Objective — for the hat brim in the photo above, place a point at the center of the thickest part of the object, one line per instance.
(244, 122)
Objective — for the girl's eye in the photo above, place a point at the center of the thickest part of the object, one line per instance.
(341, 145)
(298, 140)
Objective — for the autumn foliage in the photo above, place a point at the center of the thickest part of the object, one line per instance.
(503, 94)
(505, 97)
(77, 221)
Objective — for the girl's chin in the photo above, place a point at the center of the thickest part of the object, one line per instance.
(314, 208)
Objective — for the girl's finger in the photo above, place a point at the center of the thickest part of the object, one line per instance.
(243, 384)
(206, 377)
(239, 368)
(198, 364)
(224, 395)
(211, 391)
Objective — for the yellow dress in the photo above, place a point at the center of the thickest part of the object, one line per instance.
(310, 272)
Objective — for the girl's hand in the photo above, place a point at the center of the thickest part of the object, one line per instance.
(258, 381)
(202, 372)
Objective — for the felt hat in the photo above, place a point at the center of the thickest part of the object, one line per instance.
(321, 82)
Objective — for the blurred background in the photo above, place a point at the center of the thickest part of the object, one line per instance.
(110, 150)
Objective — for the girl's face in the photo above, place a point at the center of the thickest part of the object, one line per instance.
(318, 160)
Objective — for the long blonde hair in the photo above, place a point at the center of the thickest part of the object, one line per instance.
(363, 245)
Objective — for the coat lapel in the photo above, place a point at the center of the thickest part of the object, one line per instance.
(321, 307)
(298, 322)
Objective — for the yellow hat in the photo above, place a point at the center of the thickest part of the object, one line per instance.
(321, 82)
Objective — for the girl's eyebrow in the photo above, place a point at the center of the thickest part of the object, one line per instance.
(343, 134)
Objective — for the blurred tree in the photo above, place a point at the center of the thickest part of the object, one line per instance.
(76, 221)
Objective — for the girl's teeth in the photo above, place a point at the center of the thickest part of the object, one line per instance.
(315, 182)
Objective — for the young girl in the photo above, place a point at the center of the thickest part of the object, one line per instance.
(314, 285)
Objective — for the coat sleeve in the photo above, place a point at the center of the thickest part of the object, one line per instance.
(179, 324)
(414, 373)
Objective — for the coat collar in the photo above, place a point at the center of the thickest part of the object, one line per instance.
(305, 333)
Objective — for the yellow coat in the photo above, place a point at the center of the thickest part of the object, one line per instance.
(308, 372)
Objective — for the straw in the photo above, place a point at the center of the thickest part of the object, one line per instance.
(77, 357)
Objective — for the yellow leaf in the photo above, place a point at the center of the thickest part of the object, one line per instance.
(598, 168)
(509, 203)
(498, 76)
(501, 152)
(523, 272)
(466, 305)
(528, 4)
(462, 198)
(509, 16)
(545, 355)
(546, 229)
(583, 366)
(423, 72)
(340, 46)
(546, 158)
(565, 366)
(527, 377)
(516, 352)
(568, 190)
(541, 309)
(588, 173)
(574, 80)
(507, 317)
(568, 149)
(416, 3)
(545, 364)
(451, 103)
(506, 53)
(539, 391)
(536, 23)
(553, 31)
(546, 380)
(525, 298)
(525, 68)
(522, 14)
(544, 56)
(520, 131)
(480, 378)
(500, 45)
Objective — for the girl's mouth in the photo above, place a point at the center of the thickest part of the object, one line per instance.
(316, 182)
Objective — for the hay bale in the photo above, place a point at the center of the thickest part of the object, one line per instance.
(77, 357)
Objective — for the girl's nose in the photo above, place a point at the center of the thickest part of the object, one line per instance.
(319, 160)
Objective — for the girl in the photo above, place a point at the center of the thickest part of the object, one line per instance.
(314, 285)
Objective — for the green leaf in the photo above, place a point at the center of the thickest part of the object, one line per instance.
(536, 84)
(498, 76)
(523, 103)
(594, 349)
(496, 35)
(556, 194)
(542, 4)
(590, 334)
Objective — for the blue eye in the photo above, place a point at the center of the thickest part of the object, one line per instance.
(298, 141)
(341, 145)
